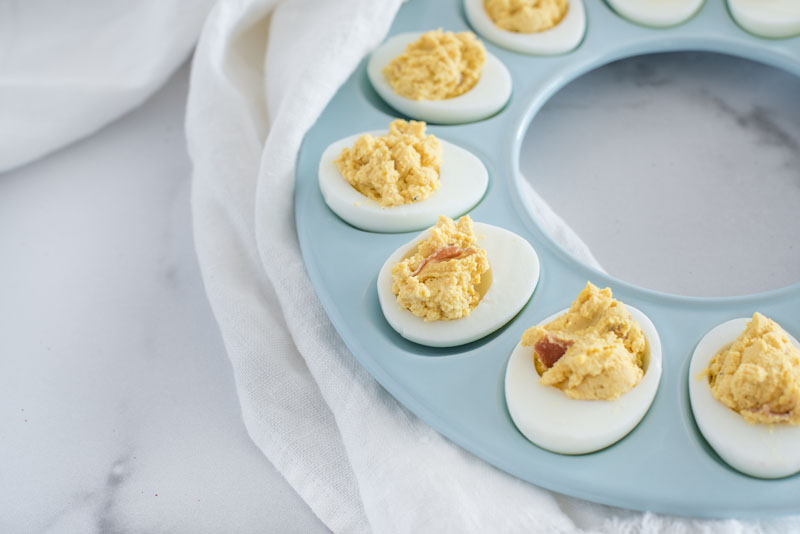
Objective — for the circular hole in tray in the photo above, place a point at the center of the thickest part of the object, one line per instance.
(680, 171)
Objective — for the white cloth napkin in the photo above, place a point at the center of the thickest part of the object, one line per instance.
(262, 74)
(67, 68)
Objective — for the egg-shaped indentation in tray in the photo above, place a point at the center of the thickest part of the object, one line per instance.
(506, 288)
(375, 327)
(462, 182)
(562, 38)
(759, 450)
(774, 19)
(577, 426)
(486, 98)
(657, 13)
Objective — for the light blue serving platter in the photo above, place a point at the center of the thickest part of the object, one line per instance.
(664, 465)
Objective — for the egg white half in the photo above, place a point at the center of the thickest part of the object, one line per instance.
(559, 39)
(515, 273)
(553, 421)
(764, 451)
(486, 98)
(658, 13)
(462, 182)
(767, 18)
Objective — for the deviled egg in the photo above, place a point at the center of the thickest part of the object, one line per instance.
(589, 378)
(561, 38)
(479, 92)
(657, 13)
(747, 361)
(457, 282)
(767, 18)
(445, 179)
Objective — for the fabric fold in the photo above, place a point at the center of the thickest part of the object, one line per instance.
(68, 70)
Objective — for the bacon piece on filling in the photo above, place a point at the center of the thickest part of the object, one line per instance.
(444, 254)
(551, 349)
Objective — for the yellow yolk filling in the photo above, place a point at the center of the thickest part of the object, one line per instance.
(442, 278)
(594, 351)
(526, 16)
(437, 66)
(758, 376)
(399, 168)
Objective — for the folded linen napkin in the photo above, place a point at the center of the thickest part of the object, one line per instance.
(263, 72)
(69, 68)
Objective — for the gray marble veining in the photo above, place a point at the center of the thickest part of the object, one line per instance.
(118, 410)
(689, 175)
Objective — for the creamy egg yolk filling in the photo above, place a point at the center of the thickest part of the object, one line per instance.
(399, 168)
(446, 275)
(758, 376)
(526, 16)
(595, 351)
(437, 66)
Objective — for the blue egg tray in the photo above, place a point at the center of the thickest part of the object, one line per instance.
(664, 465)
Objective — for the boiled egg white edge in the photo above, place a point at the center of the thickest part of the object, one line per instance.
(559, 39)
(486, 98)
(763, 451)
(768, 18)
(658, 13)
(463, 181)
(515, 273)
(553, 421)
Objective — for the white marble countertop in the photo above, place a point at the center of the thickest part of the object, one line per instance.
(118, 411)
(688, 179)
